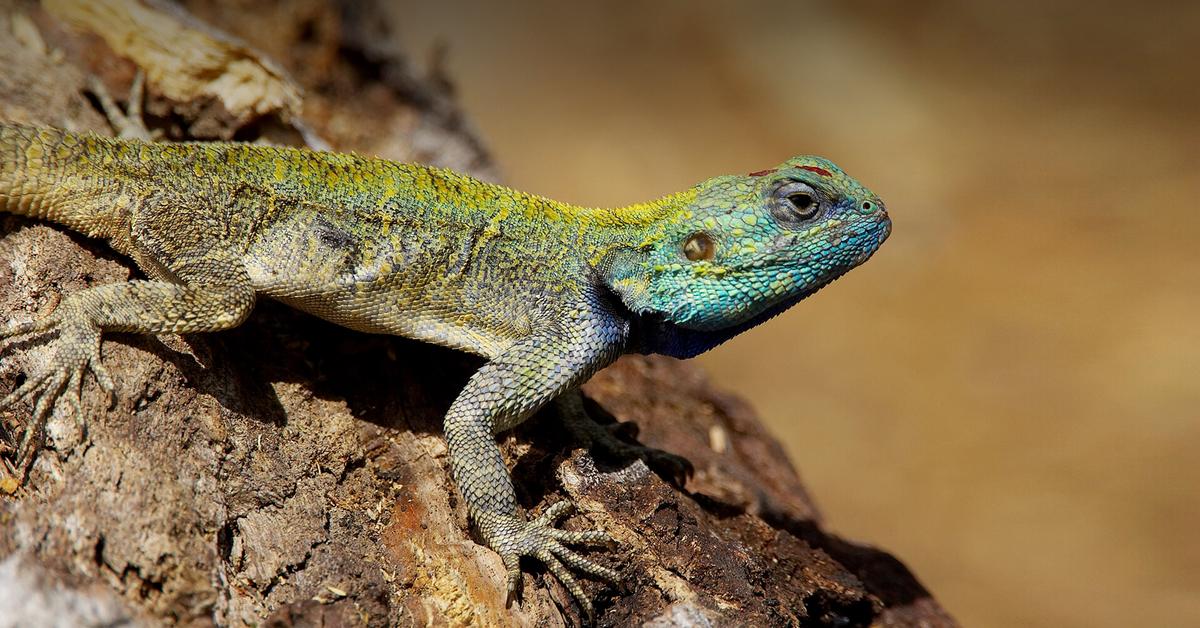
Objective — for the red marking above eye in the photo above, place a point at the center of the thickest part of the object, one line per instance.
(821, 171)
(761, 172)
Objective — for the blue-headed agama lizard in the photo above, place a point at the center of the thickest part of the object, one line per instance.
(548, 293)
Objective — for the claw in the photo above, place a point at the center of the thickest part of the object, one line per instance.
(624, 429)
(677, 469)
(512, 564)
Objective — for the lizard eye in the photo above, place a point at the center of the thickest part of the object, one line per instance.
(699, 246)
(797, 201)
(802, 202)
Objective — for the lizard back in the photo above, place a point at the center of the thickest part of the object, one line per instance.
(371, 244)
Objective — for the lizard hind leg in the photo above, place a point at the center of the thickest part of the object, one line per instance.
(148, 307)
(76, 350)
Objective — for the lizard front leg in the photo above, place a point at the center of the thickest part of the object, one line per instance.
(501, 395)
(603, 439)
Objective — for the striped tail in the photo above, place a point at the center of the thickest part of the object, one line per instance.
(57, 176)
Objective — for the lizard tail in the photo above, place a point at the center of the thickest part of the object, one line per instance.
(45, 173)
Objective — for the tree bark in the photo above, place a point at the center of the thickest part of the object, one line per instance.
(292, 472)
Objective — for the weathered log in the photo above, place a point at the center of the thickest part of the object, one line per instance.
(293, 472)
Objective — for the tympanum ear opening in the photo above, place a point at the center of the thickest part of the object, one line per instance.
(699, 247)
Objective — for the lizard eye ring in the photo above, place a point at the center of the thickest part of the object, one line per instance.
(799, 200)
(699, 246)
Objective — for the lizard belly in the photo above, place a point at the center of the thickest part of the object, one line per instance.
(425, 317)
(422, 304)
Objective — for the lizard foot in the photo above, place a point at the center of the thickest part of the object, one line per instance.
(610, 439)
(76, 349)
(128, 124)
(674, 468)
(513, 538)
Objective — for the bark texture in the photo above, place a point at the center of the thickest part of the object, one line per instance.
(291, 472)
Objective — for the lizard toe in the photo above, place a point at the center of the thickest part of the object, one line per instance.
(75, 350)
(512, 567)
(46, 390)
(31, 386)
(129, 123)
(18, 333)
(584, 565)
(623, 429)
(556, 511)
(102, 377)
(587, 537)
(512, 538)
(73, 395)
(675, 469)
(564, 575)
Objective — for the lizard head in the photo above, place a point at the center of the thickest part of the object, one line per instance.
(740, 249)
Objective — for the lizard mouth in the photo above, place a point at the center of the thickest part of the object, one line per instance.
(883, 231)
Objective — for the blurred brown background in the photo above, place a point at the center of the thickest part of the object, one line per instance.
(1006, 396)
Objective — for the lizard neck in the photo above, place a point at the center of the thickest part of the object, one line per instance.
(618, 238)
(621, 244)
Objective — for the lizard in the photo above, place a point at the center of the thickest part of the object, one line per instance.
(548, 293)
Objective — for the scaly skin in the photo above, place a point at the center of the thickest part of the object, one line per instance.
(549, 293)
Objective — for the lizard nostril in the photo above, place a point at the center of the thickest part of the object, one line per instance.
(872, 208)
